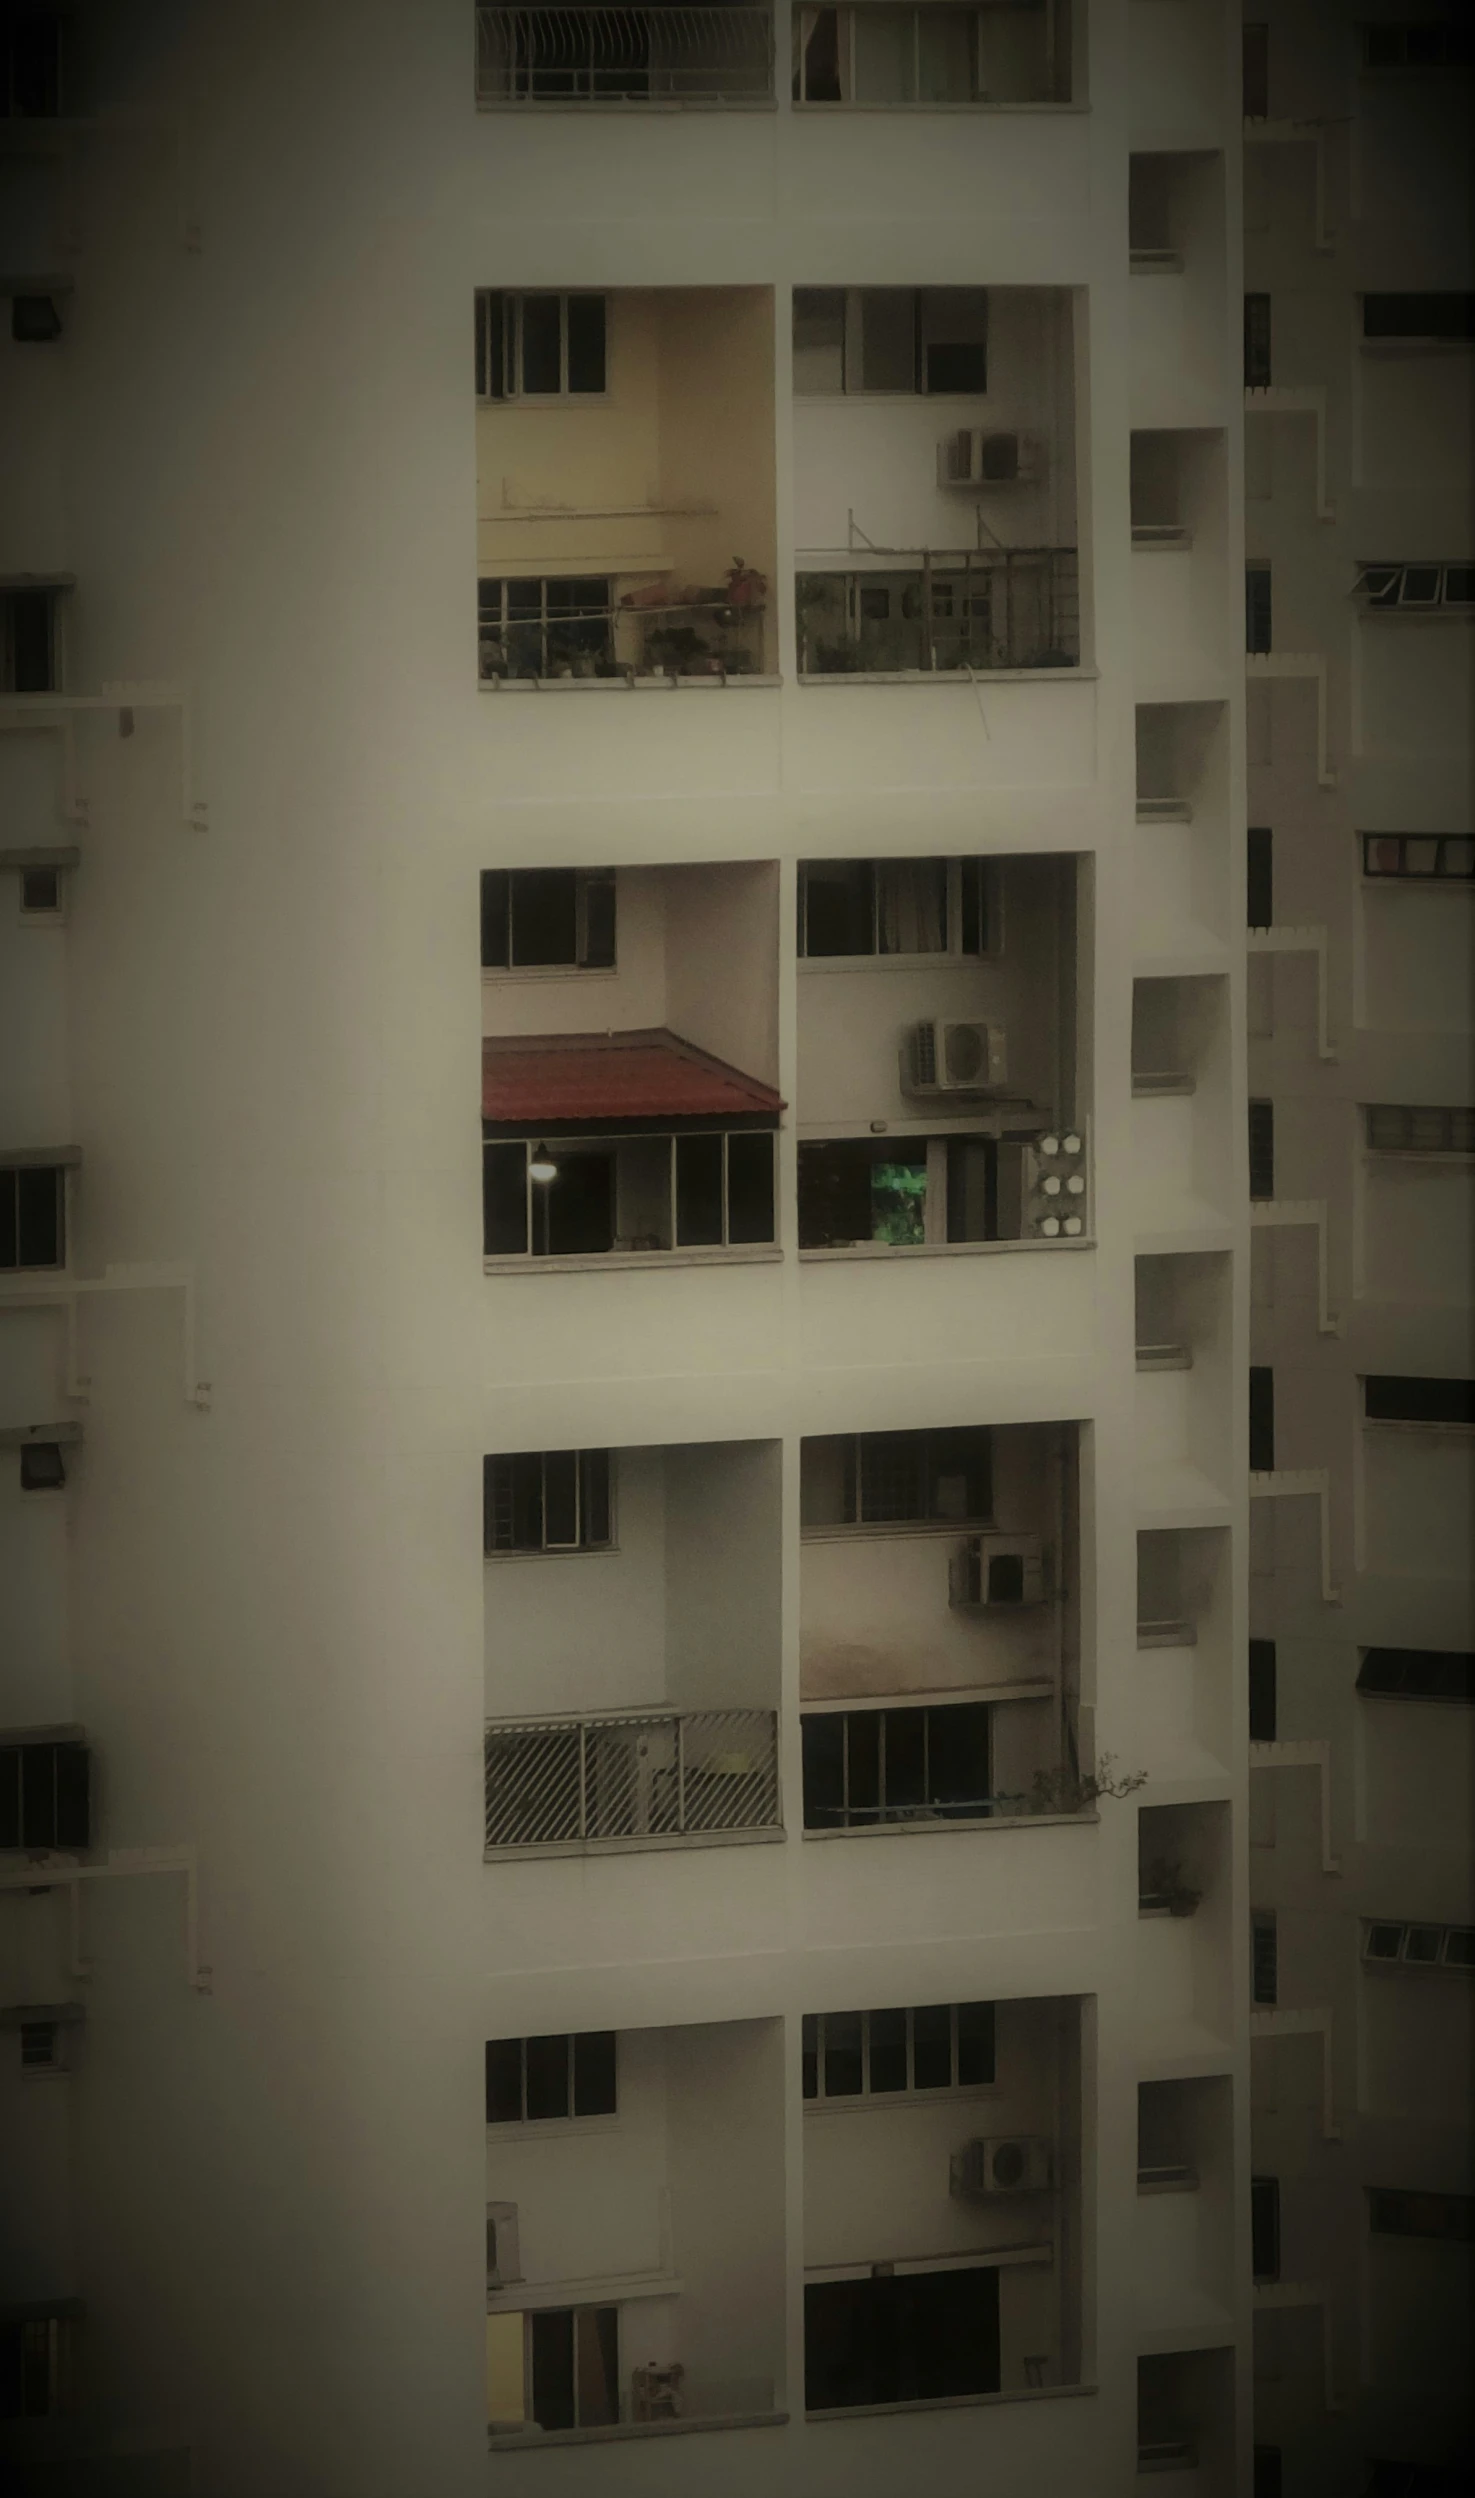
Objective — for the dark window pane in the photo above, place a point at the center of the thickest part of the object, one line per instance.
(594, 2073)
(947, 2334)
(975, 2042)
(1256, 72)
(504, 2081)
(599, 923)
(579, 1206)
(956, 366)
(496, 918)
(1257, 608)
(1262, 1150)
(839, 2344)
(821, 72)
(1260, 876)
(541, 363)
(958, 1757)
(38, 1795)
(42, 1468)
(1257, 342)
(40, 889)
(809, 2055)
(597, 2365)
(842, 2055)
(560, 1497)
(891, 1475)
(1444, 316)
(888, 338)
(888, 2050)
(1265, 2228)
(551, 2334)
(975, 930)
(1262, 1420)
(586, 342)
(839, 907)
(504, 1204)
(959, 1475)
(1262, 1691)
(905, 1758)
(1267, 2480)
(9, 1238)
(525, 1473)
(972, 1188)
(72, 1767)
(932, 2046)
(544, 916)
(863, 1765)
(548, 2077)
(1418, 1673)
(1265, 1959)
(824, 1771)
(29, 618)
(698, 1192)
(954, 327)
(38, 1209)
(749, 1187)
(1419, 1400)
(835, 1194)
(594, 1494)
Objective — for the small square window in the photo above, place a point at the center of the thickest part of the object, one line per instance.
(1423, 1945)
(1384, 1942)
(1459, 1947)
(1420, 585)
(1459, 585)
(1420, 857)
(41, 2046)
(40, 889)
(42, 1468)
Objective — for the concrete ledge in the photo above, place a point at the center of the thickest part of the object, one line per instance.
(510, 2442)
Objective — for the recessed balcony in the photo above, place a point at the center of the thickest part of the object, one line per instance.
(624, 58)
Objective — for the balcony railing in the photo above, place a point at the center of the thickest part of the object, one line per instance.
(624, 56)
(649, 1775)
(1017, 607)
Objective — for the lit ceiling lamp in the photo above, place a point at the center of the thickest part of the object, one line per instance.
(541, 1165)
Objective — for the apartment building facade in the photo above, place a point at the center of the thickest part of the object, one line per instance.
(1360, 350)
(737, 1968)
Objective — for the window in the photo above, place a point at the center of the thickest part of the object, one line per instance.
(866, 339)
(1418, 1946)
(35, 320)
(40, 891)
(1262, 1691)
(27, 642)
(530, 2080)
(1417, 1674)
(44, 1795)
(42, 1467)
(1450, 45)
(1018, 54)
(1267, 2480)
(544, 628)
(572, 2367)
(860, 1190)
(1262, 1150)
(1450, 1402)
(859, 2055)
(867, 1767)
(701, 1189)
(856, 907)
(1394, 1129)
(1423, 317)
(31, 65)
(540, 346)
(534, 918)
(1262, 1420)
(1260, 876)
(1257, 342)
(41, 2047)
(31, 1216)
(1416, 585)
(924, 1477)
(546, 1501)
(1257, 609)
(1417, 2480)
(1394, 2213)
(1014, 607)
(1265, 2228)
(1255, 71)
(31, 2354)
(1264, 1958)
(896, 2336)
(1419, 855)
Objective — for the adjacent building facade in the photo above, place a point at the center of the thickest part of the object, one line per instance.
(625, 1739)
(1360, 350)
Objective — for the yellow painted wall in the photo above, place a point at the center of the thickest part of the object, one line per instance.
(505, 2396)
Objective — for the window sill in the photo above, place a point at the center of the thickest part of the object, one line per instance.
(502, 975)
(538, 105)
(858, 2103)
(933, 1249)
(812, 966)
(848, 1531)
(949, 2402)
(658, 1843)
(600, 1262)
(943, 676)
(520, 2441)
(624, 685)
(980, 104)
(950, 1829)
(556, 1552)
(1426, 1430)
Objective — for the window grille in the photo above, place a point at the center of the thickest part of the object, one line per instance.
(1393, 1128)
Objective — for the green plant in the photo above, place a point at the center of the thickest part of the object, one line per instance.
(1161, 1885)
(1069, 1789)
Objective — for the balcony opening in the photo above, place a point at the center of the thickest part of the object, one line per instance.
(938, 1106)
(582, 52)
(998, 54)
(632, 1645)
(32, 1216)
(623, 2292)
(45, 1792)
(942, 2147)
(624, 450)
(1185, 2416)
(935, 479)
(30, 640)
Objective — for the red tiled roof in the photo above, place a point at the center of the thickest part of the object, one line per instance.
(560, 1079)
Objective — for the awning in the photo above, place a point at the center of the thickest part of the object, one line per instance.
(573, 1080)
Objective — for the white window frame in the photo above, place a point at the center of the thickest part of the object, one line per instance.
(1405, 1926)
(1403, 874)
(515, 2128)
(577, 969)
(560, 1552)
(910, 2094)
(725, 1247)
(512, 301)
(952, 954)
(852, 343)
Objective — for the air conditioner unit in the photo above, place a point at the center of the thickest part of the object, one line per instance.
(971, 457)
(954, 1058)
(1001, 2164)
(997, 1572)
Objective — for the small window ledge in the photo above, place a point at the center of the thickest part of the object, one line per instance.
(656, 1843)
(523, 2441)
(951, 1829)
(950, 2402)
(622, 684)
(535, 108)
(980, 104)
(621, 1261)
(943, 676)
(933, 1249)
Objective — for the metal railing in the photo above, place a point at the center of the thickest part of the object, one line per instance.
(1014, 607)
(648, 1775)
(598, 55)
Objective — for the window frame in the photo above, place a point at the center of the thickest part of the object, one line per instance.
(1403, 1928)
(1261, 1122)
(1383, 588)
(1258, 339)
(547, 624)
(579, 965)
(924, 1523)
(911, 2092)
(852, 339)
(510, 302)
(1418, 338)
(1417, 1422)
(1402, 1683)
(962, 870)
(509, 2126)
(1384, 2202)
(1265, 2229)
(545, 1551)
(1374, 873)
(726, 1248)
(930, 1810)
(47, 599)
(1457, 1145)
(13, 1175)
(1264, 1957)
